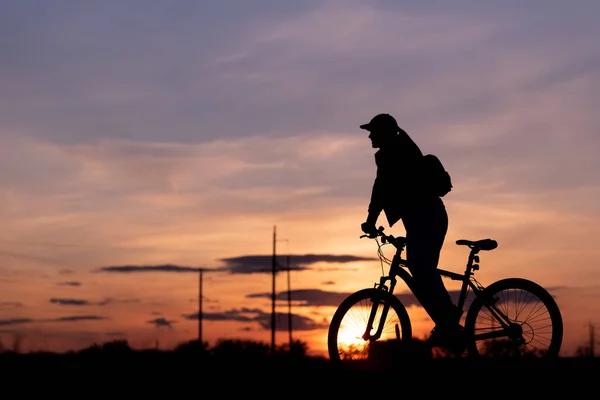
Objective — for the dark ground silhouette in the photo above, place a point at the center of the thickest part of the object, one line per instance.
(250, 368)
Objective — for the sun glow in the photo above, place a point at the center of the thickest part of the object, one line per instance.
(351, 336)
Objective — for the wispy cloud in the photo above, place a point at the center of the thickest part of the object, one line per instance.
(69, 283)
(263, 319)
(15, 321)
(151, 268)
(81, 302)
(70, 302)
(254, 264)
(161, 322)
(76, 318)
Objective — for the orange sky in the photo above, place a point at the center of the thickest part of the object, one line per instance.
(183, 136)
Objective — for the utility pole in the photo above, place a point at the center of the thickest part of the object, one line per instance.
(200, 307)
(592, 341)
(289, 291)
(273, 292)
(274, 271)
(289, 298)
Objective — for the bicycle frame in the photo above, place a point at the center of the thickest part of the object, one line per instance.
(398, 268)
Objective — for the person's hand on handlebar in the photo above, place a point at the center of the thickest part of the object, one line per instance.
(369, 228)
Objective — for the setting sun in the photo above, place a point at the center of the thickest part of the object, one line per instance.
(349, 335)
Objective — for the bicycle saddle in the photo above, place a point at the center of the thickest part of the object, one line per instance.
(483, 244)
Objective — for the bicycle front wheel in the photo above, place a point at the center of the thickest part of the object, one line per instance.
(348, 338)
(514, 318)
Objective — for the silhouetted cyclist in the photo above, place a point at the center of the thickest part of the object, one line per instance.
(399, 192)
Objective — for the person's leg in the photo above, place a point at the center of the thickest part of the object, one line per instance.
(425, 234)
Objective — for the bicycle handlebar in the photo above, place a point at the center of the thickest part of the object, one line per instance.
(396, 241)
(373, 235)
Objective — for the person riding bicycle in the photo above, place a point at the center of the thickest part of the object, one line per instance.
(398, 192)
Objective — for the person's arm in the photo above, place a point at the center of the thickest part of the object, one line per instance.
(376, 203)
(377, 198)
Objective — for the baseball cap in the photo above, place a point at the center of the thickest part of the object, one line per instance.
(381, 121)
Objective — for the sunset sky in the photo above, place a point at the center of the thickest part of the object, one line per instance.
(142, 140)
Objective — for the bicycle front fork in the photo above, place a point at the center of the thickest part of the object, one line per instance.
(367, 334)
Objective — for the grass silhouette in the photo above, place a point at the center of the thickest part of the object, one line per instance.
(247, 356)
(250, 368)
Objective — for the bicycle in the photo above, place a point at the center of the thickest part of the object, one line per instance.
(494, 324)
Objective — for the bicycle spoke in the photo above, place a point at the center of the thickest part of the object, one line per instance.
(345, 339)
(533, 328)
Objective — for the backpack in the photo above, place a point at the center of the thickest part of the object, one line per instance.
(435, 176)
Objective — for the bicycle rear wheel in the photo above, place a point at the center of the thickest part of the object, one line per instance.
(514, 318)
(345, 340)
